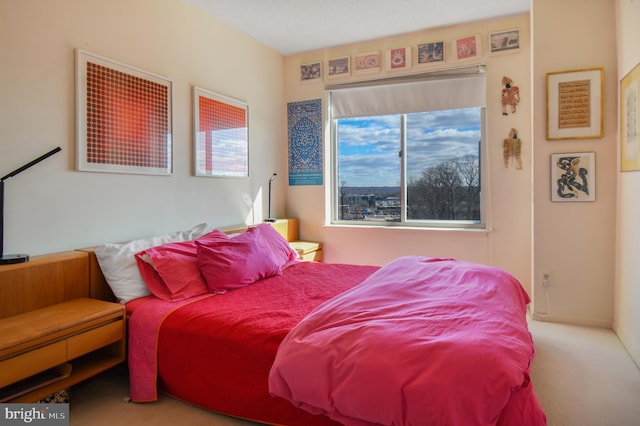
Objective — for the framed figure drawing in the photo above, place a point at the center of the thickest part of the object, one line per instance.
(573, 176)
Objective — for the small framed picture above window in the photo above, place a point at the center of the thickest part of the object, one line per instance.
(311, 72)
(367, 62)
(398, 58)
(339, 67)
(507, 41)
(431, 53)
(467, 47)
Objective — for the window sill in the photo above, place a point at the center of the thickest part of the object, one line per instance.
(360, 225)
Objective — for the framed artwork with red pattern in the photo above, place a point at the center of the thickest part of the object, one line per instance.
(124, 118)
(221, 135)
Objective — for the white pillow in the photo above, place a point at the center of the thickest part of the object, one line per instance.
(118, 262)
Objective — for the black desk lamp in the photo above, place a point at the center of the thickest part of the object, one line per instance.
(271, 179)
(6, 259)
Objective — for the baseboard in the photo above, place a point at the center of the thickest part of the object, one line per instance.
(634, 351)
(584, 322)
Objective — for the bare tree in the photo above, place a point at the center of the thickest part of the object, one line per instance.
(469, 170)
(433, 196)
(447, 191)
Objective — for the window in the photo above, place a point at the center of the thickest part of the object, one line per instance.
(409, 152)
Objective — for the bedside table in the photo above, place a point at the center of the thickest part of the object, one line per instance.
(72, 341)
(307, 250)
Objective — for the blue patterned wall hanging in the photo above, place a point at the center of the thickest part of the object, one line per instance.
(305, 142)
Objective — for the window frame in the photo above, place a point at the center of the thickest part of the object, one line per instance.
(333, 196)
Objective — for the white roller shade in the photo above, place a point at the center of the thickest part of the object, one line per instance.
(453, 89)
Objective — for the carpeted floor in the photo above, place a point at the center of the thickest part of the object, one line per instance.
(582, 376)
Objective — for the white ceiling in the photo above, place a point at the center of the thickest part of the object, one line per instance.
(294, 26)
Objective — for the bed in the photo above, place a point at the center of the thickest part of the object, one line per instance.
(417, 341)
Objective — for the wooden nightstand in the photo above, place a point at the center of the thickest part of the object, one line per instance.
(77, 339)
(308, 251)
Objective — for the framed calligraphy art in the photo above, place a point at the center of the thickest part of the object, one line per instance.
(575, 104)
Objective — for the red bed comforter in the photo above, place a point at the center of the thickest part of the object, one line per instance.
(216, 351)
(422, 341)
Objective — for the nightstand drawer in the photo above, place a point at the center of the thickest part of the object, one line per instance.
(307, 250)
(96, 338)
(29, 363)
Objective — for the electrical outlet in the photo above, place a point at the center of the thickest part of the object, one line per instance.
(546, 279)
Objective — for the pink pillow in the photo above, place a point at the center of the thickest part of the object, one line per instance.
(171, 271)
(280, 247)
(236, 262)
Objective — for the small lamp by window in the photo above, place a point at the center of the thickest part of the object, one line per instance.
(269, 217)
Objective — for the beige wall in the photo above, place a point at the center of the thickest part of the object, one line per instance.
(508, 243)
(572, 241)
(575, 242)
(627, 297)
(51, 207)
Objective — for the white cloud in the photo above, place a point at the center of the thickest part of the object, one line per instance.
(369, 148)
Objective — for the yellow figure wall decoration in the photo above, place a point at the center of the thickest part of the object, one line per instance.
(511, 149)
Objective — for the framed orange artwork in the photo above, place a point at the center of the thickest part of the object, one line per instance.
(221, 135)
(398, 58)
(123, 118)
(467, 47)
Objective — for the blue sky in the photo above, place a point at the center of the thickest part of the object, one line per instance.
(368, 147)
(229, 152)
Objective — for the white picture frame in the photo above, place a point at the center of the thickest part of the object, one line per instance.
(123, 118)
(220, 135)
(575, 101)
(573, 176)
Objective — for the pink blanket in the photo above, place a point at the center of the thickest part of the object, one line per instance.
(422, 341)
(144, 327)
